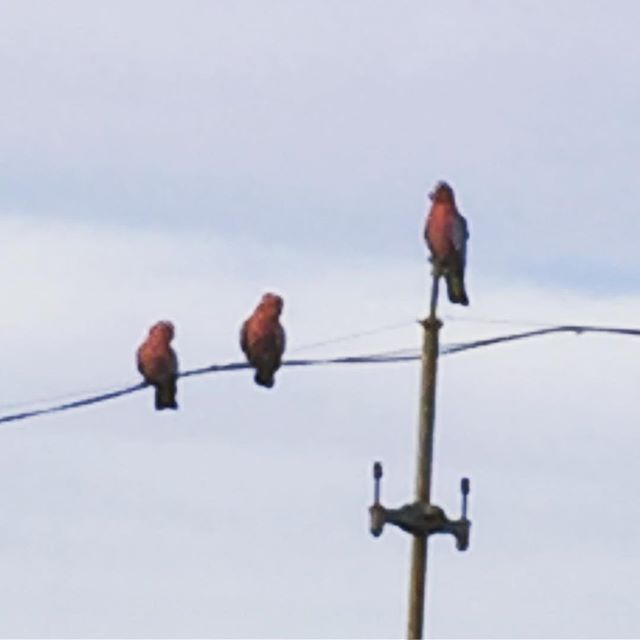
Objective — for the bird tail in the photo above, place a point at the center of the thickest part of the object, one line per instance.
(166, 395)
(456, 290)
(264, 378)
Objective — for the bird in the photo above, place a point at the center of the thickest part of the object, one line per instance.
(446, 234)
(158, 364)
(262, 339)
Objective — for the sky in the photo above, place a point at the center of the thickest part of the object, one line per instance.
(176, 160)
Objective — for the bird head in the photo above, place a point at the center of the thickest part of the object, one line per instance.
(273, 303)
(162, 330)
(442, 192)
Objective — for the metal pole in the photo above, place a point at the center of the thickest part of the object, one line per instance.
(417, 589)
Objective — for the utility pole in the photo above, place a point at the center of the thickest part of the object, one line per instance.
(427, 416)
(421, 518)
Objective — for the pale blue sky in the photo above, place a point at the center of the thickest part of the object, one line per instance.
(176, 159)
(321, 125)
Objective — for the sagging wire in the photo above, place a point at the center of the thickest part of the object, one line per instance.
(387, 357)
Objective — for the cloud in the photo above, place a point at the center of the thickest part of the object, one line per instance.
(244, 514)
(320, 128)
(163, 162)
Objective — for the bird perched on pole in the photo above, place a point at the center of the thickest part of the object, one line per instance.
(158, 363)
(446, 235)
(262, 339)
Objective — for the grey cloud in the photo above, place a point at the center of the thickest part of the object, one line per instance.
(322, 125)
(244, 514)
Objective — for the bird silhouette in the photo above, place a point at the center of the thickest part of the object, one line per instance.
(158, 364)
(446, 234)
(262, 339)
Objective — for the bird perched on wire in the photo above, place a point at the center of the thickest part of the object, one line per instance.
(158, 363)
(446, 235)
(262, 339)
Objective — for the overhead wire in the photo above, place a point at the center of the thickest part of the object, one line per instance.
(577, 329)
(313, 345)
(214, 368)
(386, 357)
(352, 336)
(514, 322)
(296, 349)
(59, 398)
(75, 404)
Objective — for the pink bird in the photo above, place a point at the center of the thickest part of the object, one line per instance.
(262, 339)
(158, 363)
(446, 235)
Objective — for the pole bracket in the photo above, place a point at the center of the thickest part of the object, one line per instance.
(420, 518)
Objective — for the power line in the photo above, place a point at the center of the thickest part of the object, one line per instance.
(59, 398)
(514, 322)
(351, 336)
(386, 357)
(83, 402)
(214, 368)
(303, 347)
(56, 399)
(577, 329)
(313, 345)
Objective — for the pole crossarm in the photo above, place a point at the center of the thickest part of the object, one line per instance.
(419, 518)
